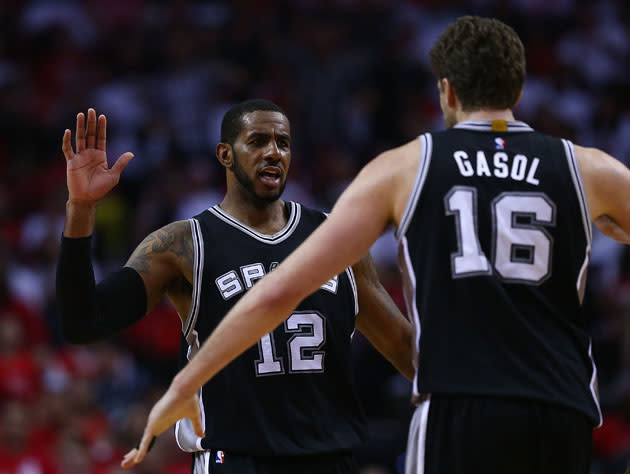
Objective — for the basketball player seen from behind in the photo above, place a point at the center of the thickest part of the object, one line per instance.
(494, 224)
(288, 405)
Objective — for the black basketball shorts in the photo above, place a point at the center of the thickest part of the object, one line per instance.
(223, 462)
(495, 435)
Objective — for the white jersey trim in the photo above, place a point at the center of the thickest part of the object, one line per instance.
(185, 435)
(423, 168)
(409, 278)
(586, 217)
(193, 312)
(353, 285)
(593, 385)
(280, 236)
(486, 126)
(579, 189)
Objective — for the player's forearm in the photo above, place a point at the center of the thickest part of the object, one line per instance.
(392, 336)
(91, 312)
(79, 219)
(401, 356)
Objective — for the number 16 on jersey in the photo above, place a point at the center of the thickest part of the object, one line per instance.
(521, 245)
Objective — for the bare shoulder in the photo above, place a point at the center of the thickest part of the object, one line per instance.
(171, 244)
(607, 184)
(390, 176)
(401, 165)
(393, 166)
(397, 159)
(594, 161)
(599, 169)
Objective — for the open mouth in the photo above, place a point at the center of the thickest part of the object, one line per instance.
(270, 175)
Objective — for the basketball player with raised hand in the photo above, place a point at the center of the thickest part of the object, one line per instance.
(288, 404)
(494, 224)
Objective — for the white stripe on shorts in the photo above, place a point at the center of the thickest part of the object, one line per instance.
(414, 461)
(201, 462)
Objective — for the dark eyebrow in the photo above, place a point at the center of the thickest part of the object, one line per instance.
(255, 134)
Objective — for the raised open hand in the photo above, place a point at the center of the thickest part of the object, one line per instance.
(88, 175)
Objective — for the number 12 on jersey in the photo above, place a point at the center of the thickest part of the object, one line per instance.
(304, 348)
(521, 245)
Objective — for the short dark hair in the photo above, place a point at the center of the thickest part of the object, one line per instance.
(483, 59)
(232, 122)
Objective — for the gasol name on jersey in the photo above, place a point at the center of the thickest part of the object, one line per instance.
(499, 165)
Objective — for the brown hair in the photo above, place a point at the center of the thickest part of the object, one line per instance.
(483, 59)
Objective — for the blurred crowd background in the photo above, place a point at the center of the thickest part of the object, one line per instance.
(353, 77)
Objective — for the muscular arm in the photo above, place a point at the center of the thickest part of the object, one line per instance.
(607, 185)
(380, 320)
(164, 261)
(91, 312)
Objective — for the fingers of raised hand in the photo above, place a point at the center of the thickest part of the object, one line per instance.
(91, 128)
(101, 132)
(122, 161)
(79, 135)
(91, 134)
(66, 145)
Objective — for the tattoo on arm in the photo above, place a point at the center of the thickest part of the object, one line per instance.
(183, 248)
(170, 238)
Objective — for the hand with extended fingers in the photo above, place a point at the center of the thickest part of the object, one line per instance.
(88, 175)
(170, 408)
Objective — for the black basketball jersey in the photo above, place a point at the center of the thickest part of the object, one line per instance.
(494, 245)
(292, 393)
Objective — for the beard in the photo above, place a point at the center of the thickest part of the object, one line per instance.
(248, 184)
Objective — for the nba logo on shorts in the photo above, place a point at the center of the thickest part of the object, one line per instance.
(499, 143)
(219, 458)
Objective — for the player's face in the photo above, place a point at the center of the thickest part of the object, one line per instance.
(262, 154)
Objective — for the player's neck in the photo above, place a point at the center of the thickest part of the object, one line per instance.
(264, 217)
(485, 114)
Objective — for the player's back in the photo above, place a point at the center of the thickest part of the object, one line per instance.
(292, 393)
(494, 245)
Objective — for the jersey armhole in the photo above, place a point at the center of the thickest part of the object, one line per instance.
(198, 257)
(576, 177)
(421, 175)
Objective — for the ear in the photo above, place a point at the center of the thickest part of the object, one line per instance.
(224, 154)
(449, 90)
